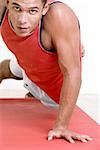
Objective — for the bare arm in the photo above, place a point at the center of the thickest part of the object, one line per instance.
(66, 40)
(2, 9)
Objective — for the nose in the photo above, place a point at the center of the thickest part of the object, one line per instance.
(22, 18)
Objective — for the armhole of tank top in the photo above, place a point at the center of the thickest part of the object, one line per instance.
(40, 38)
(40, 32)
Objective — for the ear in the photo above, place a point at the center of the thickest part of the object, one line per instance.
(45, 8)
(6, 2)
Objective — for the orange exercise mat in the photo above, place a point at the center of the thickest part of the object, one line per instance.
(24, 125)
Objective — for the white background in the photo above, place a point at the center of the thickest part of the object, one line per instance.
(89, 16)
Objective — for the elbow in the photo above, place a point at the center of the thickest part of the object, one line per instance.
(73, 74)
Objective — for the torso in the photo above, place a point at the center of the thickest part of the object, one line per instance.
(36, 62)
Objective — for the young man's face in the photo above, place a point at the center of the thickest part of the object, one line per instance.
(25, 15)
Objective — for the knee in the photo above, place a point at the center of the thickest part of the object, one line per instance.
(4, 69)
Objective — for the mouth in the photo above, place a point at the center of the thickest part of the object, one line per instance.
(23, 29)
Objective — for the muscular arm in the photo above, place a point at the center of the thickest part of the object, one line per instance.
(66, 40)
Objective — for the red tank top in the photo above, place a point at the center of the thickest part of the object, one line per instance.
(40, 65)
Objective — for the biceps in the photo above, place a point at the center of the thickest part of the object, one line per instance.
(68, 55)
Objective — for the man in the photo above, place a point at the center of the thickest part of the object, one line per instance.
(45, 40)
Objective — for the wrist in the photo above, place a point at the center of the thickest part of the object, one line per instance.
(59, 125)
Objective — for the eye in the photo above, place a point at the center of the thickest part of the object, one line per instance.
(33, 11)
(17, 8)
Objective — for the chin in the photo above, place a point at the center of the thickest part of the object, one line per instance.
(23, 34)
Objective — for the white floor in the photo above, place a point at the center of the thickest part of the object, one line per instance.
(90, 103)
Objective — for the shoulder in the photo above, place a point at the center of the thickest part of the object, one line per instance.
(59, 15)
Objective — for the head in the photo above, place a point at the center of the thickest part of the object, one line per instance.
(25, 15)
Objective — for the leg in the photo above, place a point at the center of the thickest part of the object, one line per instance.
(5, 71)
(11, 69)
(19, 73)
(37, 92)
(29, 95)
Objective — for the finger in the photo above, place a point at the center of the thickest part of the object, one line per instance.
(86, 137)
(83, 138)
(89, 139)
(50, 136)
(53, 135)
(69, 139)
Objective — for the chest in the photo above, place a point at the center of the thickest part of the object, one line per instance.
(46, 40)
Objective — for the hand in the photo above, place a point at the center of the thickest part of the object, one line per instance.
(67, 135)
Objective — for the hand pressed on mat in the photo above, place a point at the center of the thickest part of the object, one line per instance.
(67, 135)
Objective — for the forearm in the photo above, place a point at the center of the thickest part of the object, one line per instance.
(69, 93)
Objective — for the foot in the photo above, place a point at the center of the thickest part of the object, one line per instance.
(29, 95)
